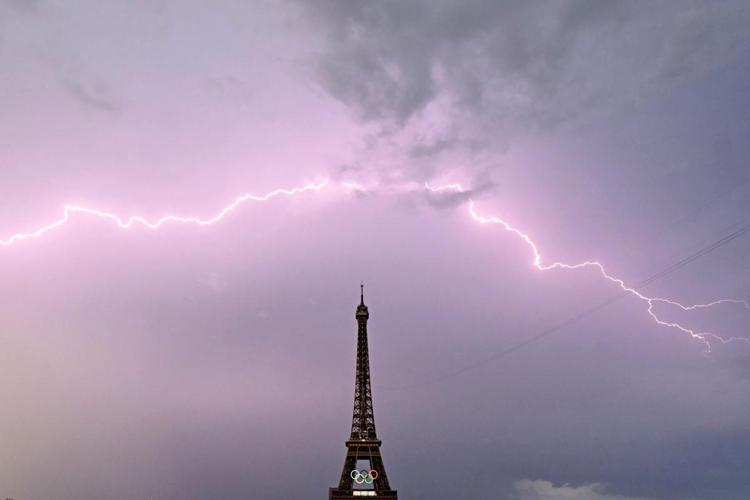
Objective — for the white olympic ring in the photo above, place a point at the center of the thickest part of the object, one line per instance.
(364, 476)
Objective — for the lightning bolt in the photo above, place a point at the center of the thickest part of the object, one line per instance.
(599, 267)
(126, 223)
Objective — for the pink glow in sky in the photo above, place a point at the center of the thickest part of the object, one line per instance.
(570, 152)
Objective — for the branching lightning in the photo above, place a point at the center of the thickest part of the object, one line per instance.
(649, 301)
(126, 223)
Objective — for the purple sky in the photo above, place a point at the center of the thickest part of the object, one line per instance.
(217, 362)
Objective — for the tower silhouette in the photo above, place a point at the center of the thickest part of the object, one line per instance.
(363, 444)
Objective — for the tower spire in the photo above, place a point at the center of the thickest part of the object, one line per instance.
(361, 293)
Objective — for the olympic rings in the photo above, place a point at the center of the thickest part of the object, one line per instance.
(364, 476)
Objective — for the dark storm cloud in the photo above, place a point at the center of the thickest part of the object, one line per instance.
(515, 65)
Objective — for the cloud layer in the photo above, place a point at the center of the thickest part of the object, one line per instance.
(434, 77)
(527, 489)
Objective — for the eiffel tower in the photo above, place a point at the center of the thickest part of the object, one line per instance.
(363, 444)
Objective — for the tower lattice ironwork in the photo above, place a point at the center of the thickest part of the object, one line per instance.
(356, 481)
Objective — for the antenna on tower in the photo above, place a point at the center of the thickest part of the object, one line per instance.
(361, 293)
